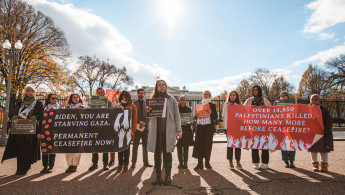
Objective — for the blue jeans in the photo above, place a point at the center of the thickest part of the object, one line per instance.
(288, 155)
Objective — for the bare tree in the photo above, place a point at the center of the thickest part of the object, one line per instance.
(244, 89)
(264, 78)
(337, 71)
(280, 84)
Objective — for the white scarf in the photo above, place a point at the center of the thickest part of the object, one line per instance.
(23, 114)
(71, 106)
(206, 101)
(56, 106)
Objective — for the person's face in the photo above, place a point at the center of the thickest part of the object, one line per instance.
(255, 91)
(75, 99)
(53, 99)
(315, 101)
(100, 92)
(183, 102)
(283, 96)
(141, 95)
(161, 86)
(207, 95)
(30, 93)
(232, 97)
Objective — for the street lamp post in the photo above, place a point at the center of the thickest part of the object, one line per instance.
(8, 57)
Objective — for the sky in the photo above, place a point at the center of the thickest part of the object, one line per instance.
(202, 44)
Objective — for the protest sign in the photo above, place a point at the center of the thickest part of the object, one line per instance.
(156, 107)
(23, 126)
(291, 127)
(203, 114)
(113, 95)
(186, 118)
(284, 102)
(86, 130)
(98, 102)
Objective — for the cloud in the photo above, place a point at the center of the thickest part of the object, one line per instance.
(230, 82)
(89, 34)
(326, 13)
(324, 36)
(322, 56)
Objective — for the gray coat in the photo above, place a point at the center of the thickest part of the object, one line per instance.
(173, 125)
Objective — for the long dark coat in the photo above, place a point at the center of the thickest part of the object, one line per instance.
(25, 145)
(204, 136)
(325, 144)
(187, 132)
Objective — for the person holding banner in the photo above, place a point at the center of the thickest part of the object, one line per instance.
(258, 100)
(187, 132)
(163, 133)
(94, 166)
(25, 147)
(325, 144)
(142, 131)
(233, 98)
(73, 159)
(125, 100)
(49, 159)
(204, 134)
(287, 155)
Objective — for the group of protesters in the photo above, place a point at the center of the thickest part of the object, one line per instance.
(158, 135)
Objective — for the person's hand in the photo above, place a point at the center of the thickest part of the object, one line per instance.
(142, 124)
(179, 134)
(209, 111)
(264, 106)
(39, 136)
(122, 108)
(81, 106)
(196, 114)
(51, 108)
(16, 120)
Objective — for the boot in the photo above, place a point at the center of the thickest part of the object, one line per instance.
(158, 180)
(167, 180)
(200, 166)
(315, 166)
(324, 166)
(44, 170)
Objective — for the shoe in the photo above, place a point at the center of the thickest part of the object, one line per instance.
(148, 165)
(292, 165)
(105, 167)
(256, 166)
(111, 163)
(133, 165)
(74, 168)
(93, 167)
(231, 165)
(68, 170)
(119, 168)
(167, 180)
(287, 164)
(324, 166)
(180, 166)
(44, 170)
(185, 167)
(158, 180)
(18, 173)
(264, 166)
(208, 166)
(239, 166)
(198, 167)
(315, 166)
(50, 169)
(125, 168)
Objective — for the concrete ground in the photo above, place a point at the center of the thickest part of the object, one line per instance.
(275, 180)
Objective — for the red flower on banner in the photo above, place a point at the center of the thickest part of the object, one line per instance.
(42, 136)
(50, 147)
(43, 122)
(46, 126)
(51, 113)
(48, 138)
(47, 133)
(43, 144)
(50, 120)
(45, 114)
(44, 150)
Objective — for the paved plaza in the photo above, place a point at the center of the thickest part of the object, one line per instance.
(275, 180)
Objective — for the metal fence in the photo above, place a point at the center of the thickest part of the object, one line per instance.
(335, 106)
